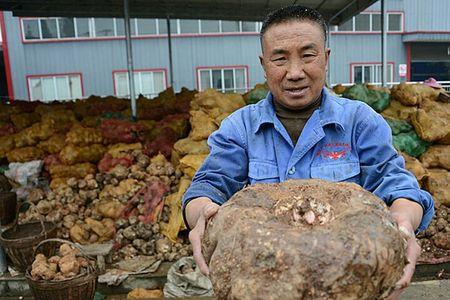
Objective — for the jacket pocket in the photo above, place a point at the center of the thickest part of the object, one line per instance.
(348, 171)
(262, 171)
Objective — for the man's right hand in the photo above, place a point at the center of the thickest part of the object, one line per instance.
(207, 210)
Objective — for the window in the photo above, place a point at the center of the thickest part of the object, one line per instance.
(66, 27)
(50, 88)
(146, 26)
(104, 27)
(362, 22)
(189, 26)
(232, 79)
(376, 22)
(249, 27)
(394, 22)
(208, 26)
(120, 27)
(148, 83)
(346, 26)
(372, 22)
(77, 28)
(31, 29)
(371, 73)
(82, 27)
(162, 26)
(230, 26)
(49, 29)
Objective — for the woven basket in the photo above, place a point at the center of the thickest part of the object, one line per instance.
(8, 205)
(81, 287)
(5, 186)
(19, 240)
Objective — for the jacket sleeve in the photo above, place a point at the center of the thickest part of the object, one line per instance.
(383, 169)
(225, 170)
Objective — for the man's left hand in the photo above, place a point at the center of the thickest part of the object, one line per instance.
(412, 255)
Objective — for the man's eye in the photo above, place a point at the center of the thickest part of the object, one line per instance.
(279, 59)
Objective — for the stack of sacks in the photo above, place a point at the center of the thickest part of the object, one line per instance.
(416, 167)
(417, 107)
(405, 138)
(435, 240)
(376, 98)
(339, 89)
(437, 161)
(208, 109)
(418, 104)
(432, 121)
(257, 93)
(72, 137)
(34, 142)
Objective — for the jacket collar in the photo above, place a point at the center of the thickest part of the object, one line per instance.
(330, 111)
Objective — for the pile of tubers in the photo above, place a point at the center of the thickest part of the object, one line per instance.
(124, 206)
(68, 263)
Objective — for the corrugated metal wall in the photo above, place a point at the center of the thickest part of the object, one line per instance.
(349, 49)
(97, 59)
(430, 15)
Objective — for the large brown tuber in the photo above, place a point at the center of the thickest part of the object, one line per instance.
(304, 239)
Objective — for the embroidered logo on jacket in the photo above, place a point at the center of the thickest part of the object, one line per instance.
(334, 151)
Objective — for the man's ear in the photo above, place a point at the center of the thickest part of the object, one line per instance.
(327, 58)
(261, 61)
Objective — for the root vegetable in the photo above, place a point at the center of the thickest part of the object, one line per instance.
(42, 271)
(79, 235)
(138, 243)
(128, 251)
(36, 195)
(44, 207)
(148, 248)
(54, 259)
(69, 265)
(442, 240)
(163, 246)
(122, 223)
(325, 257)
(119, 172)
(129, 233)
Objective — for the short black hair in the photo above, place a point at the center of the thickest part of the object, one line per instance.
(293, 12)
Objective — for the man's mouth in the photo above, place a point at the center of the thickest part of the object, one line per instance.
(297, 91)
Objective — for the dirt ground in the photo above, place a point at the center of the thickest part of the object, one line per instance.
(429, 290)
(424, 290)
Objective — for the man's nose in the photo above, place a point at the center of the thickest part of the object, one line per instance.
(296, 71)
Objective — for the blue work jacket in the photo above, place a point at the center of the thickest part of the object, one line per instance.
(344, 140)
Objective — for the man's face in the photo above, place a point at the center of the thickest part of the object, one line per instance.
(295, 62)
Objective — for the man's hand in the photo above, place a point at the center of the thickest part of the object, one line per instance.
(412, 255)
(407, 215)
(196, 234)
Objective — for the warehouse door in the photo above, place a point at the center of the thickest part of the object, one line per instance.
(430, 60)
(421, 70)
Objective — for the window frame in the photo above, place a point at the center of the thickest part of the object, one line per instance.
(53, 75)
(116, 36)
(371, 64)
(335, 28)
(223, 68)
(163, 70)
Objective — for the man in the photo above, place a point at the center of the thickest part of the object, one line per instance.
(301, 131)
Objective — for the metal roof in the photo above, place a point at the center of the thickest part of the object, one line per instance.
(335, 11)
(426, 37)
